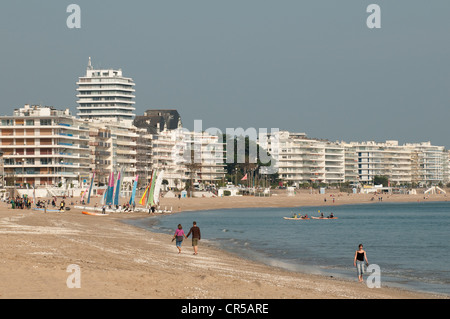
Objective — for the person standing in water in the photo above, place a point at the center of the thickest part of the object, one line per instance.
(195, 230)
(358, 261)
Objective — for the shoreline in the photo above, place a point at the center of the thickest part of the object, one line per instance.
(299, 200)
(118, 260)
(325, 274)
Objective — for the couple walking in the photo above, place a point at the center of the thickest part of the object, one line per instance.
(179, 236)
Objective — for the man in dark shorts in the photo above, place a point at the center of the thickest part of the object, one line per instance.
(195, 230)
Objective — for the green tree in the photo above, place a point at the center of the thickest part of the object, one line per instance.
(379, 179)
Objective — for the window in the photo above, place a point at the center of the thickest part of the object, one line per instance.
(46, 122)
(7, 122)
(46, 161)
(30, 122)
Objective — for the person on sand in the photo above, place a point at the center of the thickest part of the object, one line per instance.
(196, 236)
(358, 261)
(179, 236)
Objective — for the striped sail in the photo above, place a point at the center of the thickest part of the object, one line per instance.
(117, 190)
(109, 197)
(133, 193)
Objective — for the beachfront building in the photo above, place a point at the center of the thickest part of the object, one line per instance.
(188, 156)
(428, 162)
(43, 146)
(209, 153)
(300, 159)
(113, 149)
(351, 164)
(382, 159)
(143, 156)
(447, 167)
(167, 154)
(105, 94)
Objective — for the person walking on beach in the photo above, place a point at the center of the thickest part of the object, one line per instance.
(196, 236)
(179, 236)
(358, 261)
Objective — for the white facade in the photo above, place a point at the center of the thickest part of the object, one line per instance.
(44, 147)
(105, 94)
(429, 163)
(171, 151)
(302, 160)
(382, 159)
(114, 148)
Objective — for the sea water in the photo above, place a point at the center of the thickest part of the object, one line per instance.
(410, 242)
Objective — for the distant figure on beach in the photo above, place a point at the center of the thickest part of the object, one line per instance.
(358, 261)
(195, 231)
(179, 236)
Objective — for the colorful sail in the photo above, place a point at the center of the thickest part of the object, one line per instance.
(109, 197)
(90, 188)
(117, 190)
(133, 193)
(157, 190)
(142, 200)
(150, 201)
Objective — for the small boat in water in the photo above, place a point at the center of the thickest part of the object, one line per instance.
(324, 217)
(296, 218)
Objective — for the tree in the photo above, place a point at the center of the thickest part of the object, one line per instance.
(235, 170)
(378, 179)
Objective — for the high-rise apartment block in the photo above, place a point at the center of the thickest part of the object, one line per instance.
(105, 94)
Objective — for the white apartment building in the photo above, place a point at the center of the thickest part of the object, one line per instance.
(43, 146)
(209, 153)
(351, 164)
(446, 167)
(113, 149)
(300, 159)
(303, 160)
(167, 154)
(171, 151)
(105, 94)
(428, 162)
(382, 159)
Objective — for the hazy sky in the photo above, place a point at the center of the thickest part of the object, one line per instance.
(305, 66)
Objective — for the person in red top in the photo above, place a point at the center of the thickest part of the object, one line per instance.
(196, 236)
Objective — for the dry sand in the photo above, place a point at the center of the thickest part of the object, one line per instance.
(120, 261)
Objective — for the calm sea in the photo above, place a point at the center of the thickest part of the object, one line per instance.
(409, 241)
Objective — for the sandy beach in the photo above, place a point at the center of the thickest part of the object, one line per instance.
(117, 260)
